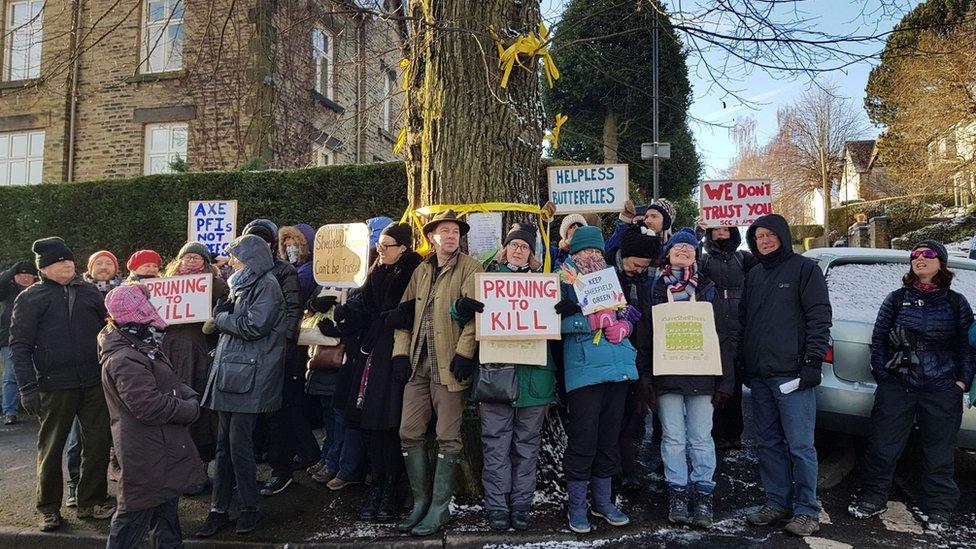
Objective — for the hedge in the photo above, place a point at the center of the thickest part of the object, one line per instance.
(905, 213)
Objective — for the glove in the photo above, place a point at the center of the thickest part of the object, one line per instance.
(328, 328)
(810, 373)
(401, 369)
(400, 318)
(466, 307)
(618, 331)
(719, 399)
(601, 319)
(223, 305)
(629, 213)
(31, 401)
(341, 314)
(567, 307)
(209, 327)
(462, 368)
(322, 304)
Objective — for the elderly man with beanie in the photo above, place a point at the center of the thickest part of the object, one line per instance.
(245, 380)
(12, 281)
(103, 271)
(654, 219)
(437, 357)
(785, 316)
(54, 347)
(151, 409)
(599, 369)
(144, 264)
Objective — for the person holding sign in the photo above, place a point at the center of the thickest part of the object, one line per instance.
(655, 220)
(438, 358)
(600, 364)
(785, 316)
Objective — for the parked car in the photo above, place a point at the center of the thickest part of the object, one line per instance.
(859, 279)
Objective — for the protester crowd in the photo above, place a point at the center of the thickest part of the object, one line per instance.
(181, 409)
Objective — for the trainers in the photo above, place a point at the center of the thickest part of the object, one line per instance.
(323, 476)
(337, 484)
(703, 511)
(97, 512)
(10, 419)
(865, 509)
(214, 523)
(72, 499)
(803, 525)
(50, 522)
(769, 515)
(937, 523)
(276, 485)
(314, 469)
(498, 519)
(247, 522)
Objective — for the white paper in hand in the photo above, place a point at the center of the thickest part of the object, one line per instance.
(790, 386)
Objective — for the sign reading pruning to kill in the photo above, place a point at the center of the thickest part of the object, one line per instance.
(518, 306)
(340, 255)
(588, 189)
(181, 299)
(735, 203)
(214, 223)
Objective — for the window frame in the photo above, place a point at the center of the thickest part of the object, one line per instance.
(327, 153)
(327, 87)
(29, 160)
(146, 49)
(31, 71)
(389, 84)
(148, 155)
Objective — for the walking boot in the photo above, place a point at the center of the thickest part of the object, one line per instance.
(371, 505)
(388, 503)
(415, 461)
(678, 505)
(579, 522)
(603, 506)
(439, 512)
(703, 511)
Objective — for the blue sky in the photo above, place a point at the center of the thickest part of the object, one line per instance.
(769, 92)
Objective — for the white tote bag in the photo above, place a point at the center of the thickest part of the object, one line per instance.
(685, 340)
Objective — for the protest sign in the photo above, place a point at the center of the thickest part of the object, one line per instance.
(485, 236)
(735, 203)
(340, 255)
(181, 299)
(533, 352)
(214, 223)
(599, 290)
(517, 306)
(588, 189)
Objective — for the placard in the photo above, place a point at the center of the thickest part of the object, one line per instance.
(599, 290)
(517, 306)
(685, 339)
(734, 203)
(589, 189)
(181, 299)
(214, 223)
(533, 352)
(340, 255)
(485, 236)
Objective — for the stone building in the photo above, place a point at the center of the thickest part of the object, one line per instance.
(101, 88)
(865, 176)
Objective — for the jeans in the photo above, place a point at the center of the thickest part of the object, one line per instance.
(347, 454)
(235, 461)
(686, 422)
(9, 382)
(74, 454)
(162, 523)
(784, 427)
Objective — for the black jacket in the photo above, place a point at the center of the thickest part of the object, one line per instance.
(785, 310)
(8, 292)
(287, 278)
(726, 266)
(54, 335)
(637, 290)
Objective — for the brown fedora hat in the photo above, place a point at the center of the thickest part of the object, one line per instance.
(449, 215)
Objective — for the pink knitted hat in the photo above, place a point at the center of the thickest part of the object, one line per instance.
(129, 303)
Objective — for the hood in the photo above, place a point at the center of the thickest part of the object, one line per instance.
(777, 224)
(265, 228)
(376, 226)
(303, 235)
(253, 251)
(725, 246)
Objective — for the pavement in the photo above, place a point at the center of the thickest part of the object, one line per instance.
(308, 514)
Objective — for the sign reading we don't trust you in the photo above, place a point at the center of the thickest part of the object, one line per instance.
(340, 255)
(588, 189)
(735, 203)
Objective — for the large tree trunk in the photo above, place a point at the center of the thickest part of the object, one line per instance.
(610, 138)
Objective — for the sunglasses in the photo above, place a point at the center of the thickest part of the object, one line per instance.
(927, 254)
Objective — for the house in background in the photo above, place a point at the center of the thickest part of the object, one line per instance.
(953, 157)
(864, 176)
(93, 88)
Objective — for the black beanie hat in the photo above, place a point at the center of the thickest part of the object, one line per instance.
(401, 233)
(634, 243)
(50, 250)
(526, 232)
(263, 228)
(937, 247)
(25, 267)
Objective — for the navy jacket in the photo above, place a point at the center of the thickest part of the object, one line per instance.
(940, 328)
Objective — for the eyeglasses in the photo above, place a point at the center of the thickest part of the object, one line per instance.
(683, 248)
(927, 254)
(519, 247)
(383, 247)
(765, 236)
(191, 259)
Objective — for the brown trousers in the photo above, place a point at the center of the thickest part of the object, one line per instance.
(423, 397)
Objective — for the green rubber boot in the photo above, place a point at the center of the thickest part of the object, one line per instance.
(440, 512)
(415, 462)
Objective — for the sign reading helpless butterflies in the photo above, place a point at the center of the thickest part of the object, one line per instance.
(589, 189)
(518, 306)
(340, 255)
(595, 291)
(181, 299)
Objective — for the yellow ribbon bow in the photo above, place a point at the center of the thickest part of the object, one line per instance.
(553, 136)
(405, 65)
(533, 44)
(401, 140)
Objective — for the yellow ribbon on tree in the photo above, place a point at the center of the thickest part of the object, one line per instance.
(532, 45)
(415, 216)
(401, 140)
(405, 65)
(553, 136)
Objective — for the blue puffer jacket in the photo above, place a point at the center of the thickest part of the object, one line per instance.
(941, 329)
(586, 363)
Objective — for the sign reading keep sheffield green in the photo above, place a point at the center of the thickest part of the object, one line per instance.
(588, 189)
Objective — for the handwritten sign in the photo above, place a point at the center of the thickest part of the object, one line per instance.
(533, 352)
(735, 203)
(485, 236)
(599, 290)
(181, 299)
(340, 255)
(214, 223)
(592, 188)
(517, 306)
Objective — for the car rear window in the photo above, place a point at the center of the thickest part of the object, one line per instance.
(857, 289)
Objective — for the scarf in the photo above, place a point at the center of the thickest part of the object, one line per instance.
(184, 270)
(589, 262)
(240, 278)
(681, 281)
(926, 287)
(150, 335)
(518, 269)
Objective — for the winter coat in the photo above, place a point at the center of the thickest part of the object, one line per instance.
(53, 335)
(692, 385)
(619, 228)
(785, 311)
(8, 293)
(247, 371)
(304, 236)
(586, 363)
(453, 280)
(940, 328)
(726, 266)
(150, 411)
(637, 290)
(287, 278)
(383, 397)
